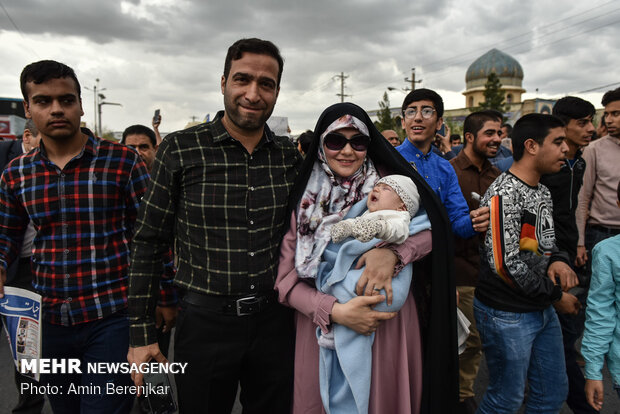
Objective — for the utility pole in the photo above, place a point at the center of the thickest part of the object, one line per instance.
(342, 78)
(412, 80)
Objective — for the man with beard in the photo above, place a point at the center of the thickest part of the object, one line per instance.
(564, 186)
(219, 194)
(82, 195)
(422, 112)
(475, 174)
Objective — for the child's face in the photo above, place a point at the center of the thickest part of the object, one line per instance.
(383, 197)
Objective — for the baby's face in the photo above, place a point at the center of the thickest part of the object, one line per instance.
(383, 197)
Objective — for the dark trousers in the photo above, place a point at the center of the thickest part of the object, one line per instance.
(103, 340)
(223, 351)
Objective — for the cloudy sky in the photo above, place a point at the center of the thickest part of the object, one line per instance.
(169, 54)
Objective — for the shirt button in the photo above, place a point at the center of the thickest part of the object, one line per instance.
(426, 176)
(251, 188)
(251, 221)
(252, 286)
(62, 174)
(67, 276)
(417, 155)
(66, 251)
(252, 254)
(68, 299)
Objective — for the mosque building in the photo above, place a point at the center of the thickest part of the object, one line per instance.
(510, 74)
(508, 70)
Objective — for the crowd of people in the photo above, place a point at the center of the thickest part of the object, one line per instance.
(321, 276)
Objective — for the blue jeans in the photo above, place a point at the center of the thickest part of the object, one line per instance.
(103, 340)
(519, 347)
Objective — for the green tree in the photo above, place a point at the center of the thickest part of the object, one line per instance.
(384, 115)
(493, 94)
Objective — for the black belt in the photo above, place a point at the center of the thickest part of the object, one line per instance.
(232, 305)
(603, 229)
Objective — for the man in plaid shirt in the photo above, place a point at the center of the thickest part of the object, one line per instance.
(219, 194)
(82, 195)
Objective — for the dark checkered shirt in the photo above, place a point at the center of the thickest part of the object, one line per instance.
(84, 216)
(222, 208)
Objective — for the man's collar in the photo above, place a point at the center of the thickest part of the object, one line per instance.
(411, 148)
(463, 161)
(90, 147)
(220, 133)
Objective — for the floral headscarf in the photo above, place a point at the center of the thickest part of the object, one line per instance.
(327, 199)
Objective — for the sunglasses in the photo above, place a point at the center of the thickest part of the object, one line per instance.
(336, 142)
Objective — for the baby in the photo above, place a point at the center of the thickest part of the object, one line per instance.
(392, 203)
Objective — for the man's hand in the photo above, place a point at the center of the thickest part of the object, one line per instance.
(166, 315)
(156, 122)
(378, 274)
(480, 219)
(560, 270)
(358, 314)
(142, 354)
(582, 256)
(567, 304)
(594, 393)
(2, 280)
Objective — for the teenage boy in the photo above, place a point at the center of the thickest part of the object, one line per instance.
(564, 186)
(597, 215)
(82, 198)
(422, 112)
(516, 295)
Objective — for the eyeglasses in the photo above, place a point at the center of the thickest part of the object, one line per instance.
(336, 142)
(427, 112)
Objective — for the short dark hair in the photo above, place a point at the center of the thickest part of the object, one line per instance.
(475, 121)
(454, 137)
(252, 45)
(44, 70)
(532, 126)
(305, 139)
(572, 107)
(611, 96)
(424, 95)
(508, 128)
(140, 130)
(30, 126)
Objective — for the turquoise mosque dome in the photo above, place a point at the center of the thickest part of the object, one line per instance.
(504, 65)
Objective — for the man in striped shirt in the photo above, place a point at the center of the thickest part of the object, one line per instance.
(82, 195)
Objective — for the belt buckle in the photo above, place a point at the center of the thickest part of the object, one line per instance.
(243, 301)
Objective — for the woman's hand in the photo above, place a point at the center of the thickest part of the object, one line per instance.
(380, 264)
(358, 314)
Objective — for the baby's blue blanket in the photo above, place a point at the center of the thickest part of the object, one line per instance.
(345, 372)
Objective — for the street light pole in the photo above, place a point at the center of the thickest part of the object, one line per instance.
(100, 105)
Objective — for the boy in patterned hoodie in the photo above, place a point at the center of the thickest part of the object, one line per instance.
(516, 294)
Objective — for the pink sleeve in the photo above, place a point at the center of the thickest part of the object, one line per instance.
(298, 293)
(414, 248)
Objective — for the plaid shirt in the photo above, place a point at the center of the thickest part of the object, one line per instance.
(224, 210)
(84, 217)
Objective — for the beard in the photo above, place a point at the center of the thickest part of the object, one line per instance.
(250, 122)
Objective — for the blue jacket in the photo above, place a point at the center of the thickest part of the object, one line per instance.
(601, 339)
(441, 177)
